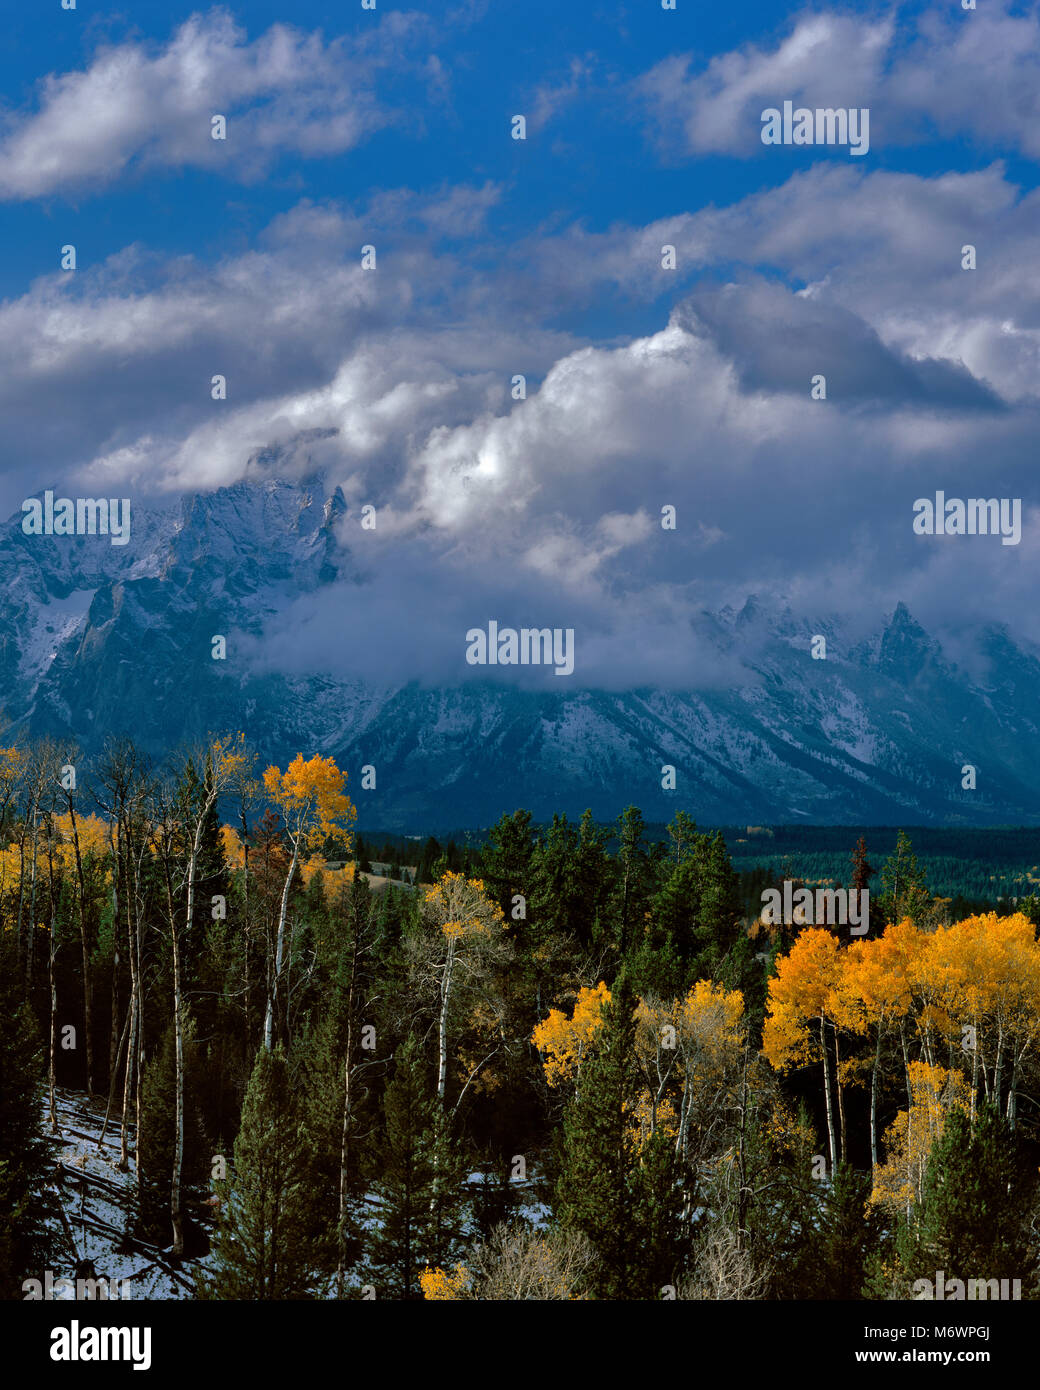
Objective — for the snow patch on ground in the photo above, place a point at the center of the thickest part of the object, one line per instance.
(96, 1199)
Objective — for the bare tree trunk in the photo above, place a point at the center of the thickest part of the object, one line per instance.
(247, 926)
(135, 1048)
(30, 954)
(53, 982)
(128, 1081)
(22, 949)
(1012, 1105)
(827, 1090)
(906, 1066)
(131, 1047)
(279, 950)
(442, 1027)
(176, 1217)
(344, 1149)
(114, 1043)
(841, 1094)
(873, 1103)
(742, 1195)
(176, 1213)
(88, 1028)
(114, 1078)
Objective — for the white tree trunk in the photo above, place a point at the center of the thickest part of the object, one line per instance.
(827, 1091)
(279, 949)
(442, 1031)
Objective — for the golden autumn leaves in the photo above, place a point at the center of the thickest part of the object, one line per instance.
(965, 998)
(309, 794)
(688, 1050)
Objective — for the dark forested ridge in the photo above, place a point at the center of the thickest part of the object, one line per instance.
(974, 868)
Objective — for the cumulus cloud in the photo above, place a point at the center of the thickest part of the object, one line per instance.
(105, 376)
(546, 511)
(886, 246)
(954, 73)
(829, 59)
(137, 106)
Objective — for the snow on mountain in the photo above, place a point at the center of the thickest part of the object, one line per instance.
(98, 639)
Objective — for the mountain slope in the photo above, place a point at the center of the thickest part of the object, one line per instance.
(98, 640)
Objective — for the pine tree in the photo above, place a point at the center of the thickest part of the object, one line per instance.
(25, 1164)
(157, 1139)
(657, 1214)
(977, 1199)
(862, 872)
(682, 833)
(904, 890)
(776, 1208)
(848, 1237)
(265, 1246)
(417, 1182)
(634, 885)
(720, 907)
(625, 1202)
(507, 858)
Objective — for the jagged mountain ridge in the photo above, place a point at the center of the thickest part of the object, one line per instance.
(98, 639)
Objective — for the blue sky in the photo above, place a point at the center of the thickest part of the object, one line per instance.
(591, 163)
(498, 256)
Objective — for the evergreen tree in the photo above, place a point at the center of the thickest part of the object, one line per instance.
(431, 852)
(335, 1100)
(677, 932)
(720, 907)
(157, 1138)
(682, 835)
(417, 1185)
(592, 880)
(696, 932)
(904, 891)
(657, 1215)
(862, 873)
(627, 1203)
(977, 1200)
(266, 1247)
(634, 881)
(555, 902)
(25, 1163)
(778, 1204)
(848, 1237)
(507, 858)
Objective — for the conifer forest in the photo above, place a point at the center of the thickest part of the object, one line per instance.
(563, 1064)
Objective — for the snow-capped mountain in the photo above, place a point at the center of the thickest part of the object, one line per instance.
(99, 639)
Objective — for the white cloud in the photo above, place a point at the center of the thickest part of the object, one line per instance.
(139, 107)
(546, 511)
(955, 73)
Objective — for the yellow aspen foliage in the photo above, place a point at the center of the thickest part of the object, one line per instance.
(332, 879)
(909, 1139)
(982, 973)
(310, 796)
(564, 1041)
(802, 991)
(711, 1021)
(459, 907)
(10, 867)
(874, 987)
(93, 835)
(648, 1118)
(440, 1285)
(234, 850)
(94, 843)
